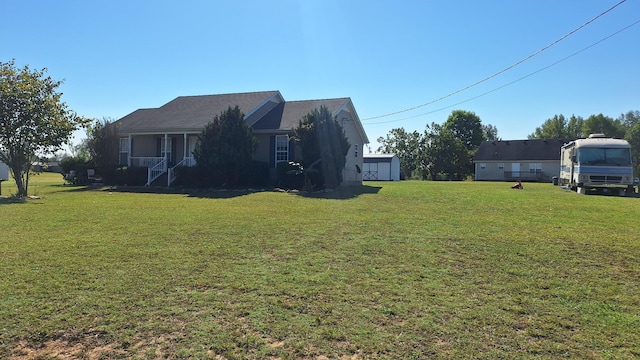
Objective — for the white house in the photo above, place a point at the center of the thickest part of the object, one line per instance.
(385, 167)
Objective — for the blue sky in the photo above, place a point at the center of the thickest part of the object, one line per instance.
(117, 56)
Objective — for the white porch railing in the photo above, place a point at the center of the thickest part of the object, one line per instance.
(157, 170)
(189, 162)
(147, 162)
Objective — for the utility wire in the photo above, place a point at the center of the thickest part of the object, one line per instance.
(501, 71)
(514, 81)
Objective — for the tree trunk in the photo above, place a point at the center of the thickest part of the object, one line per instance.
(21, 184)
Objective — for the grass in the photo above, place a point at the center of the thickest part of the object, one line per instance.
(405, 270)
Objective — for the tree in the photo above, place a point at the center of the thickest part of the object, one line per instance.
(629, 119)
(553, 128)
(407, 146)
(490, 133)
(600, 124)
(446, 154)
(574, 128)
(225, 147)
(103, 146)
(33, 119)
(633, 137)
(320, 136)
(466, 126)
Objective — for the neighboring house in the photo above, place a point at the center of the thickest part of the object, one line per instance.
(50, 166)
(163, 138)
(381, 167)
(527, 160)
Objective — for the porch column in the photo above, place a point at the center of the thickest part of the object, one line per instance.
(166, 142)
(184, 142)
(129, 153)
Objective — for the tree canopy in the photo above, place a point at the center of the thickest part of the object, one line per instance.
(225, 147)
(445, 150)
(320, 136)
(33, 119)
(467, 127)
(408, 146)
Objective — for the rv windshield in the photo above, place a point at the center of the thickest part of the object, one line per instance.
(604, 156)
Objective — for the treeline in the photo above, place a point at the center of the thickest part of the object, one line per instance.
(626, 126)
(441, 152)
(559, 127)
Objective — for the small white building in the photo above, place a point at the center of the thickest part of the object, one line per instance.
(384, 167)
(4, 171)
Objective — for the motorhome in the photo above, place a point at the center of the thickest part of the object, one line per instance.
(597, 163)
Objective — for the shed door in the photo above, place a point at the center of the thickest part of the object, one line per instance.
(370, 171)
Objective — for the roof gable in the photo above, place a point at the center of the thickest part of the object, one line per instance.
(525, 150)
(287, 116)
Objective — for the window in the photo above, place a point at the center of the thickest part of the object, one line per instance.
(124, 151)
(282, 148)
(501, 166)
(355, 151)
(535, 168)
(483, 166)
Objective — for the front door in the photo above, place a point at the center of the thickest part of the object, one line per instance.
(515, 170)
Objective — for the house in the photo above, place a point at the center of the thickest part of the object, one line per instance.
(163, 138)
(510, 160)
(381, 167)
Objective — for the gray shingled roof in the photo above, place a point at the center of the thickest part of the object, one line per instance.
(287, 116)
(190, 113)
(523, 150)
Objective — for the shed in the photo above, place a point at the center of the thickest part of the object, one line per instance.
(384, 167)
(4, 172)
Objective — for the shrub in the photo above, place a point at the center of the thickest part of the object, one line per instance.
(131, 176)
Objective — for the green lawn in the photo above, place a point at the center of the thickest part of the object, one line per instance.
(404, 270)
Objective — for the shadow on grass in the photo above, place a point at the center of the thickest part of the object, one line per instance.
(342, 193)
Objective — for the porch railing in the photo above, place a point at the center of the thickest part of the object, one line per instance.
(188, 162)
(156, 171)
(147, 162)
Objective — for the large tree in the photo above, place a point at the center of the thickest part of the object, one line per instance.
(225, 147)
(600, 124)
(408, 146)
(553, 128)
(34, 120)
(466, 126)
(447, 154)
(321, 137)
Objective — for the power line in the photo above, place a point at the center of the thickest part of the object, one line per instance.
(501, 71)
(514, 81)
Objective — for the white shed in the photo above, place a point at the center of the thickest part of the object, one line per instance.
(381, 167)
(4, 172)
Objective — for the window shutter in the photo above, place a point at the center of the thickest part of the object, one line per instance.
(272, 151)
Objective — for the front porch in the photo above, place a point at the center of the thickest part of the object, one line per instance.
(159, 153)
